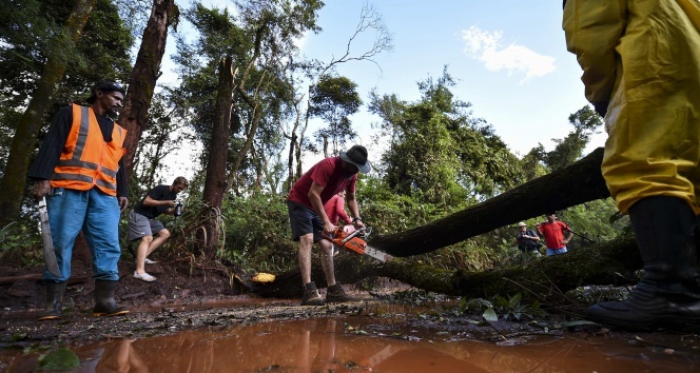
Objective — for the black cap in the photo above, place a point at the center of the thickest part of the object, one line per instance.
(104, 86)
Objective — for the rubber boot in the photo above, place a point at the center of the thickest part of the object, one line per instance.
(105, 305)
(668, 296)
(54, 301)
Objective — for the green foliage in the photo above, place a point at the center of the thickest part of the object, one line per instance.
(439, 151)
(20, 241)
(334, 99)
(511, 308)
(33, 31)
(61, 359)
(594, 220)
(585, 121)
(258, 233)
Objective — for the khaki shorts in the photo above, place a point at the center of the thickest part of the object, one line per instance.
(141, 226)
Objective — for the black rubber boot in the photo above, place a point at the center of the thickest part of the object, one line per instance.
(54, 300)
(105, 305)
(668, 296)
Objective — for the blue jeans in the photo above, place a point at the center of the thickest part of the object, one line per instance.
(97, 215)
(551, 252)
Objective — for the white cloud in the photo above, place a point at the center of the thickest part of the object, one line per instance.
(486, 47)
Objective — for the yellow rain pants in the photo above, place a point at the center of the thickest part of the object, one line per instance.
(643, 57)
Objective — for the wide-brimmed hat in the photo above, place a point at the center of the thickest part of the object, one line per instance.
(104, 86)
(357, 155)
(522, 224)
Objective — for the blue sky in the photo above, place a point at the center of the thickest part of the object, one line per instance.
(509, 59)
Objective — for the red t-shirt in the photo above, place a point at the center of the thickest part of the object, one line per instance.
(335, 209)
(553, 234)
(327, 173)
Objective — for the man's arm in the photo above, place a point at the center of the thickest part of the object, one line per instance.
(534, 236)
(315, 198)
(49, 152)
(571, 234)
(340, 210)
(150, 202)
(593, 29)
(354, 209)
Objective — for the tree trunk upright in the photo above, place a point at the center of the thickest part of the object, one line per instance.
(216, 184)
(143, 78)
(15, 175)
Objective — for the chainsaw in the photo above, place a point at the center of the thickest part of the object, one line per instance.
(356, 242)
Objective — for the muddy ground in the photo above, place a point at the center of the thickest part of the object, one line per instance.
(186, 298)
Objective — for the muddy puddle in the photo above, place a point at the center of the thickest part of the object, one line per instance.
(383, 338)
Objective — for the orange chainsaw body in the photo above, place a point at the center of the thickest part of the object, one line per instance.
(356, 244)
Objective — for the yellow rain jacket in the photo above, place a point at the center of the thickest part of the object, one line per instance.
(643, 58)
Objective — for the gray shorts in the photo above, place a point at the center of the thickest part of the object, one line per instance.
(141, 226)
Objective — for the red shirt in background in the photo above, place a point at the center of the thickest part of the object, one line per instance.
(553, 234)
(335, 209)
(327, 173)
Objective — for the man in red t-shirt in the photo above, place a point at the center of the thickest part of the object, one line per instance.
(553, 232)
(309, 219)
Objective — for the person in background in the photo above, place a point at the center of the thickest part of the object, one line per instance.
(553, 232)
(143, 223)
(528, 243)
(80, 171)
(641, 63)
(308, 218)
(335, 209)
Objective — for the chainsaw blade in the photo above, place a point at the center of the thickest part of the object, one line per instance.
(377, 254)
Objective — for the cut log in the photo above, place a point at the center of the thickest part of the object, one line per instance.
(610, 263)
(581, 182)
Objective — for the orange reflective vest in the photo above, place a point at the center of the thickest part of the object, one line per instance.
(87, 160)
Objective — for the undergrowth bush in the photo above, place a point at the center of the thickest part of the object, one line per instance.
(258, 233)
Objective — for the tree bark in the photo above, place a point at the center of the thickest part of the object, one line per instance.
(215, 184)
(142, 83)
(580, 182)
(609, 263)
(15, 175)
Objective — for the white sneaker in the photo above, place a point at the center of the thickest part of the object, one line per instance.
(144, 277)
(149, 261)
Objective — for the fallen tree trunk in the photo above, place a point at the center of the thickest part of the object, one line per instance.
(581, 182)
(609, 263)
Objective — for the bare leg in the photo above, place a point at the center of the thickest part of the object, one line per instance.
(327, 262)
(306, 242)
(163, 236)
(141, 253)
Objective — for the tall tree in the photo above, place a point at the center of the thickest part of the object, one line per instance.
(334, 99)
(437, 151)
(215, 184)
(370, 20)
(15, 174)
(260, 39)
(134, 114)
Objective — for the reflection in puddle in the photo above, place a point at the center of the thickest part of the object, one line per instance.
(361, 344)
